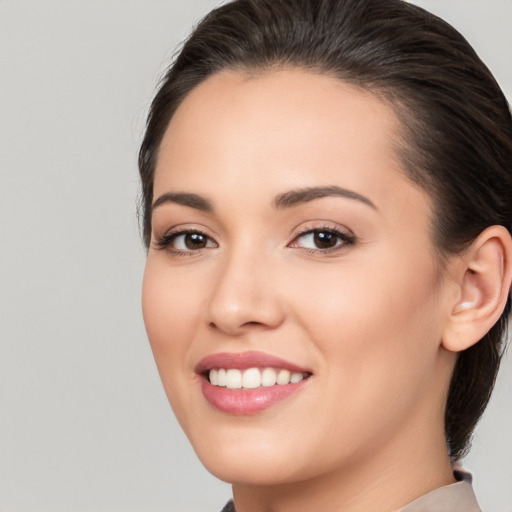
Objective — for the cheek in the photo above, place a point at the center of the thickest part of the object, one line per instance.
(378, 339)
(373, 321)
(171, 309)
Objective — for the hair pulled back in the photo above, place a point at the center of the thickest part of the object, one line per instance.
(456, 139)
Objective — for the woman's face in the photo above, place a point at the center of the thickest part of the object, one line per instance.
(287, 244)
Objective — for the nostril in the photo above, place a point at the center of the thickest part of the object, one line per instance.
(213, 325)
(252, 324)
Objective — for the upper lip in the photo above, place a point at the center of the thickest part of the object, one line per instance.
(245, 360)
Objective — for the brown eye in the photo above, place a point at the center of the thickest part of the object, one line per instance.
(325, 239)
(193, 241)
(322, 240)
(185, 242)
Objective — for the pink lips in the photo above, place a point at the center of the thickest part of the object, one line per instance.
(246, 401)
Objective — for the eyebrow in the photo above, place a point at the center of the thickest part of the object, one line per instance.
(286, 200)
(304, 195)
(185, 199)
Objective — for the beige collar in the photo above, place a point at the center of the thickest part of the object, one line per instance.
(457, 497)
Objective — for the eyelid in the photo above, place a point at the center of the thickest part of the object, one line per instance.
(346, 235)
(163, 241)
(308, 227)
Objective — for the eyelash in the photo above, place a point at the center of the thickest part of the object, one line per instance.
(343, 239)
(165, 241)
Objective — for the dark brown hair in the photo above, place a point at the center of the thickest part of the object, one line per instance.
(457, 128)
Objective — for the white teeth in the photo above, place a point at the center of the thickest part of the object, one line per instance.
(283, 377)
(268, 377)
(221, 377)
(233, 379)
(252, 378)
(296, 377)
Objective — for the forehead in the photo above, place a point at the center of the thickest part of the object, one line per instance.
(285, 128)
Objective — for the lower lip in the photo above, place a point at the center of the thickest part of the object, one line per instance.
(248, 401)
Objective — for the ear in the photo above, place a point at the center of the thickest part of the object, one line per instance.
(483, 276)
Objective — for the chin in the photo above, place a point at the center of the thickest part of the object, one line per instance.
(265, 471)
(250, 460)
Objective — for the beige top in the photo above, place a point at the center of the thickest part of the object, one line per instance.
(457, 497)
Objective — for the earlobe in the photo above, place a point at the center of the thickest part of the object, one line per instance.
(484, 275)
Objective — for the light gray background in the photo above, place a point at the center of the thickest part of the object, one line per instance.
(84, 423)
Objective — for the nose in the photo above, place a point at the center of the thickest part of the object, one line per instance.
(246, 296)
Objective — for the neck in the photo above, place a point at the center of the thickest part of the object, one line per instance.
(410, 466)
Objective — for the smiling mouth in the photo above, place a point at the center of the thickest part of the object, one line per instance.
(252, 378)
(249, 382)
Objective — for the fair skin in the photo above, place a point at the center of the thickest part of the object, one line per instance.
(346, 286)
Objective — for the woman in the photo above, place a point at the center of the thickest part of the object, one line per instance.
(326, 206)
